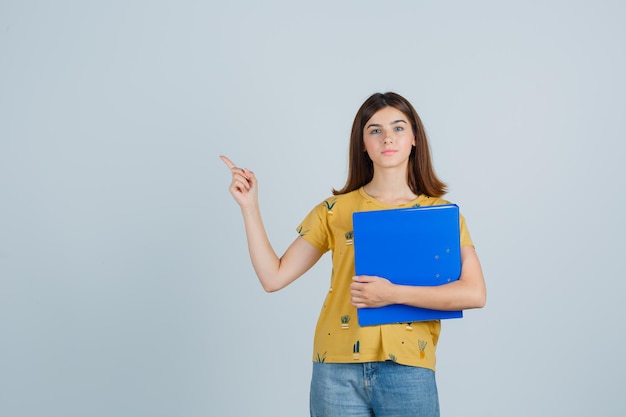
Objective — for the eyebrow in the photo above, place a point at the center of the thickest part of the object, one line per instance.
(392, 123)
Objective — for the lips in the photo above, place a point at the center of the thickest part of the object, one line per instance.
(388, 152)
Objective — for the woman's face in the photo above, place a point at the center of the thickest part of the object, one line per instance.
(388, 138)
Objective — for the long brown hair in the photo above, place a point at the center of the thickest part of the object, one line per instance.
(421, 175)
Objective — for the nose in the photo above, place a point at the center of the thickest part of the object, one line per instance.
(388, 138)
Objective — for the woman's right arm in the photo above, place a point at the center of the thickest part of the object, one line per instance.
(274, 273)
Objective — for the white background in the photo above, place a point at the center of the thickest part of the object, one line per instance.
(125, 284)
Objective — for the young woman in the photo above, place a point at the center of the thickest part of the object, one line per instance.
(385, 370)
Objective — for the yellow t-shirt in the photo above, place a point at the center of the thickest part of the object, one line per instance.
(338, 336)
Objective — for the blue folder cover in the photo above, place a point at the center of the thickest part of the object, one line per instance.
(409, 246)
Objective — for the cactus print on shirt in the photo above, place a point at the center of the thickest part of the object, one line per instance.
(338, 336)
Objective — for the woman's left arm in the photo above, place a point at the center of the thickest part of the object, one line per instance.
(469, 291)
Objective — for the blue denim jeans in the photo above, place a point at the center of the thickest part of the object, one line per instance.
(382, 389)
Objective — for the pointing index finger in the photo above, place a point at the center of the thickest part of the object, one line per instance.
(227, 161)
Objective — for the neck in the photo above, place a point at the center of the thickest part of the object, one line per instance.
(390, 187)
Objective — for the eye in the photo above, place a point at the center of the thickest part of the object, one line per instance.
(398, 128)
(374, 131)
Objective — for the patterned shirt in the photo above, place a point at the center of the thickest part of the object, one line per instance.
(338, 336)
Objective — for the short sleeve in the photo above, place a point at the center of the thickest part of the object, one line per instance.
(466, 239)
(314, 228)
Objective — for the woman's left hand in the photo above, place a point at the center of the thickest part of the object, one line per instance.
(368, 291)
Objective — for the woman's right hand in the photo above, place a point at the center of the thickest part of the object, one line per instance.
(244, 185)
(274, 273)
